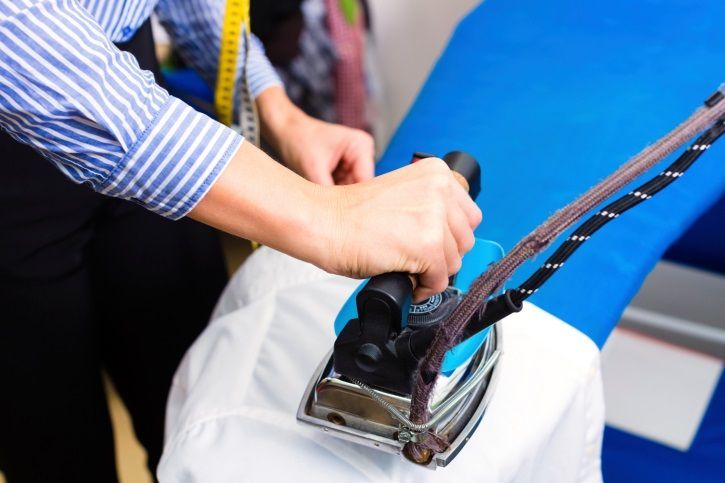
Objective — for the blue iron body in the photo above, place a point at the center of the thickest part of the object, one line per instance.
(483, 253)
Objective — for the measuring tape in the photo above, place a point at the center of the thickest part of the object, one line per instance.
(236, 22)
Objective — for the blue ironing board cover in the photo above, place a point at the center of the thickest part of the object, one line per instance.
(551, 96)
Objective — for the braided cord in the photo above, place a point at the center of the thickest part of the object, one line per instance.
(618, 207)
(475, 301)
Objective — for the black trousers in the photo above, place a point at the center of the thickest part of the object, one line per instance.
(90, 283)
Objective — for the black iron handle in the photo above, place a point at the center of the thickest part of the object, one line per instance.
(385, 299)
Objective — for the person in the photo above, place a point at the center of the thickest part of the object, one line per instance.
(90, 281)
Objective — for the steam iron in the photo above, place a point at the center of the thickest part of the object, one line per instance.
(361, 391)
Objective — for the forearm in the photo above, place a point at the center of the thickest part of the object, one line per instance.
(195, 27)
(416, 220)
(257, 198)
(277, 114)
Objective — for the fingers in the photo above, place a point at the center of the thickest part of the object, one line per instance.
(332, 154)
(460, 228)
(364, 168)
(358, 157)
(453, 255)
(457, 239)
(467, 206)
(321, 175)
(461, 217)
(420, 218)
(364, 162)
(432, 281)
(343, 174)
(435, 279)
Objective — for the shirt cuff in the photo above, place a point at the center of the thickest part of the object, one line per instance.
(174, 162)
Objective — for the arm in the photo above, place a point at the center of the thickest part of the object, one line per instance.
(67, 91)
(417, 219)
(321, 152)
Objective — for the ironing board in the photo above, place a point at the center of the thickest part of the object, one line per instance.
(550, 96)
(553, 95)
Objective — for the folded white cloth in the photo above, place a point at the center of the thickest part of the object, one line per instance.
(232, 407)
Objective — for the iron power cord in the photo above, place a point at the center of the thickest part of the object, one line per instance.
(512, 300)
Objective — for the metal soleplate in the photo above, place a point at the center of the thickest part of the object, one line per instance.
(344, 410)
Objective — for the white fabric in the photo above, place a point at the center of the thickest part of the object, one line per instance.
(232, 407)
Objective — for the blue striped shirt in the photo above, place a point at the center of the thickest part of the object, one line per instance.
(67, 91)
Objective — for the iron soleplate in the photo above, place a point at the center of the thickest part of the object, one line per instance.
(345, 410)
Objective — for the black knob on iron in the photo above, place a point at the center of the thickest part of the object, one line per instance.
(368, 356)
(466, 166)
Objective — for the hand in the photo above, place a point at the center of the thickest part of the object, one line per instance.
(323, 153)
(417, 220)
(327, 153)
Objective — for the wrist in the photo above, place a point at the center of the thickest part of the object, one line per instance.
(277, 115)
(331, 231)
(309, 232)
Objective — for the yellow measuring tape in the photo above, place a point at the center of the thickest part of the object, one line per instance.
(235, 24)
(236, 21)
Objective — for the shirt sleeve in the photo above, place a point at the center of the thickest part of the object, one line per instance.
(67, 91)
(195, 28)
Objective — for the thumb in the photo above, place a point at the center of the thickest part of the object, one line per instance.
(364, 168)
(321, 175)
(362, 160)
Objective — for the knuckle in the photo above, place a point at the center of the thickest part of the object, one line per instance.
(434, 165)
(437, 214)
(478, 215)
(431, 241)
(362, 136)
(442, 181)
(439, 165)
(468, 241)
(439, 183)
